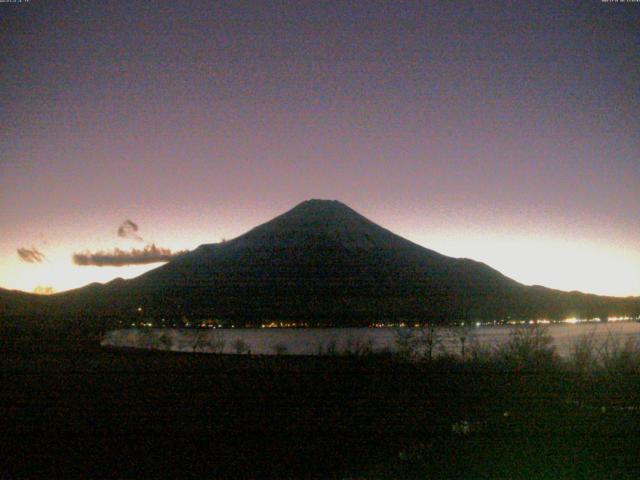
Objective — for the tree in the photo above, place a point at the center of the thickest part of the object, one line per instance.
(419, 342)
(205, 339)
(146, 338)
(463, 334)
(199, 339)
(216, 340)
(166, 341)
(405, 340)
(428, 339)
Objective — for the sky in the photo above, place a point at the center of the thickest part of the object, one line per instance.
(505, 132)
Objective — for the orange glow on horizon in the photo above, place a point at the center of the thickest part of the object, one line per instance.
(559, 264)
(554, 263)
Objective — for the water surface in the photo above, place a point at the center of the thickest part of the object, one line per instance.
(310, 341)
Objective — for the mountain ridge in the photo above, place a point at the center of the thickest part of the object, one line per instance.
(323, 263)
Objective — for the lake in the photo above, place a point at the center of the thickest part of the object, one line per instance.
(311, 341)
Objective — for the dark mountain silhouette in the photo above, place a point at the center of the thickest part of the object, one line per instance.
(321, 263)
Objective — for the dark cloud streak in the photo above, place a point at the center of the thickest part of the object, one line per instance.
(121, 258)
(31, 255)
(128, 229)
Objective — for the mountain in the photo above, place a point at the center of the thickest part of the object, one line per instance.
(324, 263)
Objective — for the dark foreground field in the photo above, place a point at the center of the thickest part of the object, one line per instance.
(92, 413)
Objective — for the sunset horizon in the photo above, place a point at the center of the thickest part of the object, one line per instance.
(560, 253)
(501, 134)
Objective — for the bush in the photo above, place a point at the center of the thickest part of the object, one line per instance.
(618, 357)
(279, 348)
(529, 347)
(479, 353)
(240, 346)
(331, 348)
(359, 346)
(584, 353)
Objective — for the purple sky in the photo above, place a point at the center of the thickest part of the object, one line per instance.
(506, 132)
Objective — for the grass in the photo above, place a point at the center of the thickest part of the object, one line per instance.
(70, 409)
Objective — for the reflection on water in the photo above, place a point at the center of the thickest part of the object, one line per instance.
(311, 341)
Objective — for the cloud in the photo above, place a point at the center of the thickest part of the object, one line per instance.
(31, 255)
(128, 229)
(120, 258)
